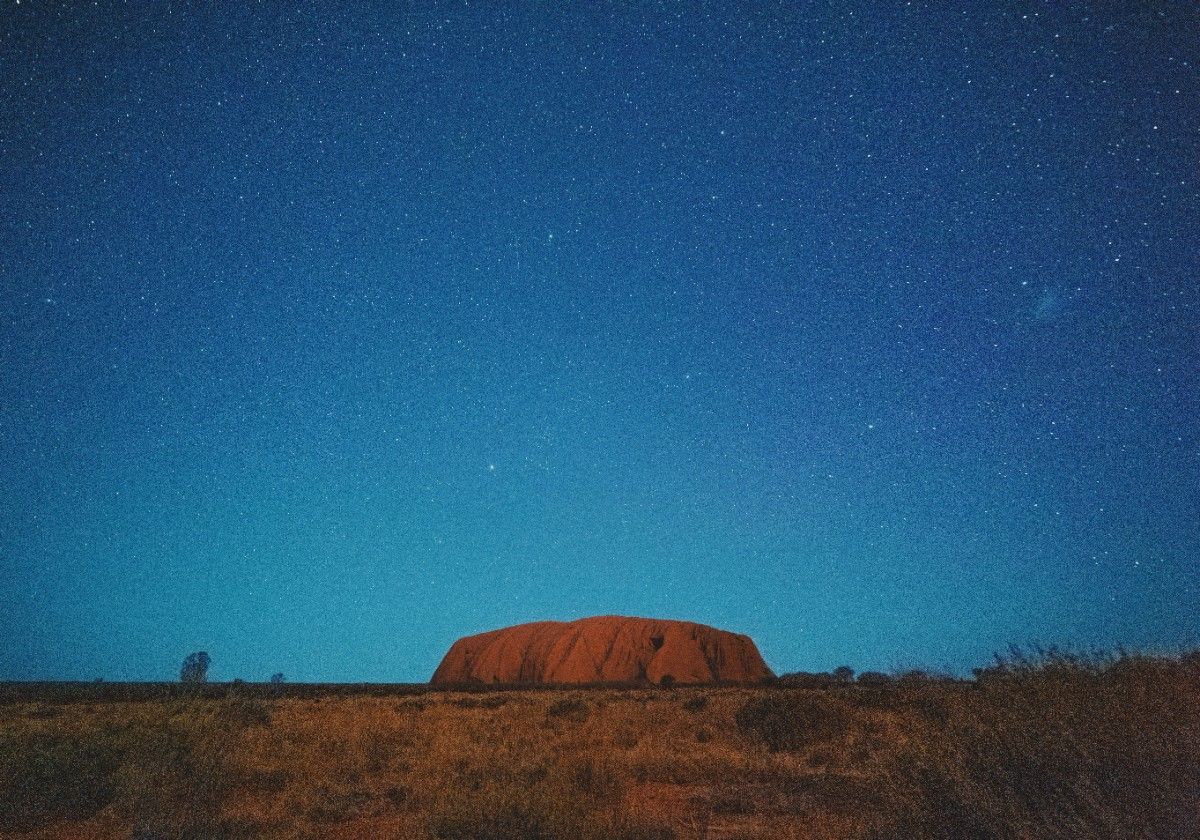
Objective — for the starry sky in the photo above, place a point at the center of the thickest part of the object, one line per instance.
(333, 332)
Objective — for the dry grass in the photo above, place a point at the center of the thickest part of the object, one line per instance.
(1034, 748)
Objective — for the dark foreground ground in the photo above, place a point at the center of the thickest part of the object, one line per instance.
(1053, 747)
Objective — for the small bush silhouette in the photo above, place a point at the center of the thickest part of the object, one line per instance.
(492, 701)
(695, 704)
(793, 722)
(569, 708)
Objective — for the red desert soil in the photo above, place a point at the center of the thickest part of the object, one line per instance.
(603, 649)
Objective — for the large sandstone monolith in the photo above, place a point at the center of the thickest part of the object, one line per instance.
(602, 650)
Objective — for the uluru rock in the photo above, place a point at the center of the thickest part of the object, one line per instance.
(603, 649)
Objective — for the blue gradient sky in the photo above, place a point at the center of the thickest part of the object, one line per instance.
(331, 335)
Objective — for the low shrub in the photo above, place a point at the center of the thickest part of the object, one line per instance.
(794, 721)
(592, 777)
(568, 708)
(493, 701)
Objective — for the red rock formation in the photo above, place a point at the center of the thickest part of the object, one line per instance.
(603, 649)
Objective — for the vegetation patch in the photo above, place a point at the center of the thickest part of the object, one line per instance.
(568, 708)
(1061, 746)
(1047, 744)
(48, 777)
(794, 721)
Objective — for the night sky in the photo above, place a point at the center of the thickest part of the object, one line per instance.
(332, 334)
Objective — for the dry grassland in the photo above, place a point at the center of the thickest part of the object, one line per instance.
(1041, 749)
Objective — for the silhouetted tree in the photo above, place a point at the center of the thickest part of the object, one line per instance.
(843, 673)
(195, 668)
(277, 679)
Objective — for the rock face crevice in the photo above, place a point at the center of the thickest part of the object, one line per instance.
(603, 649)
